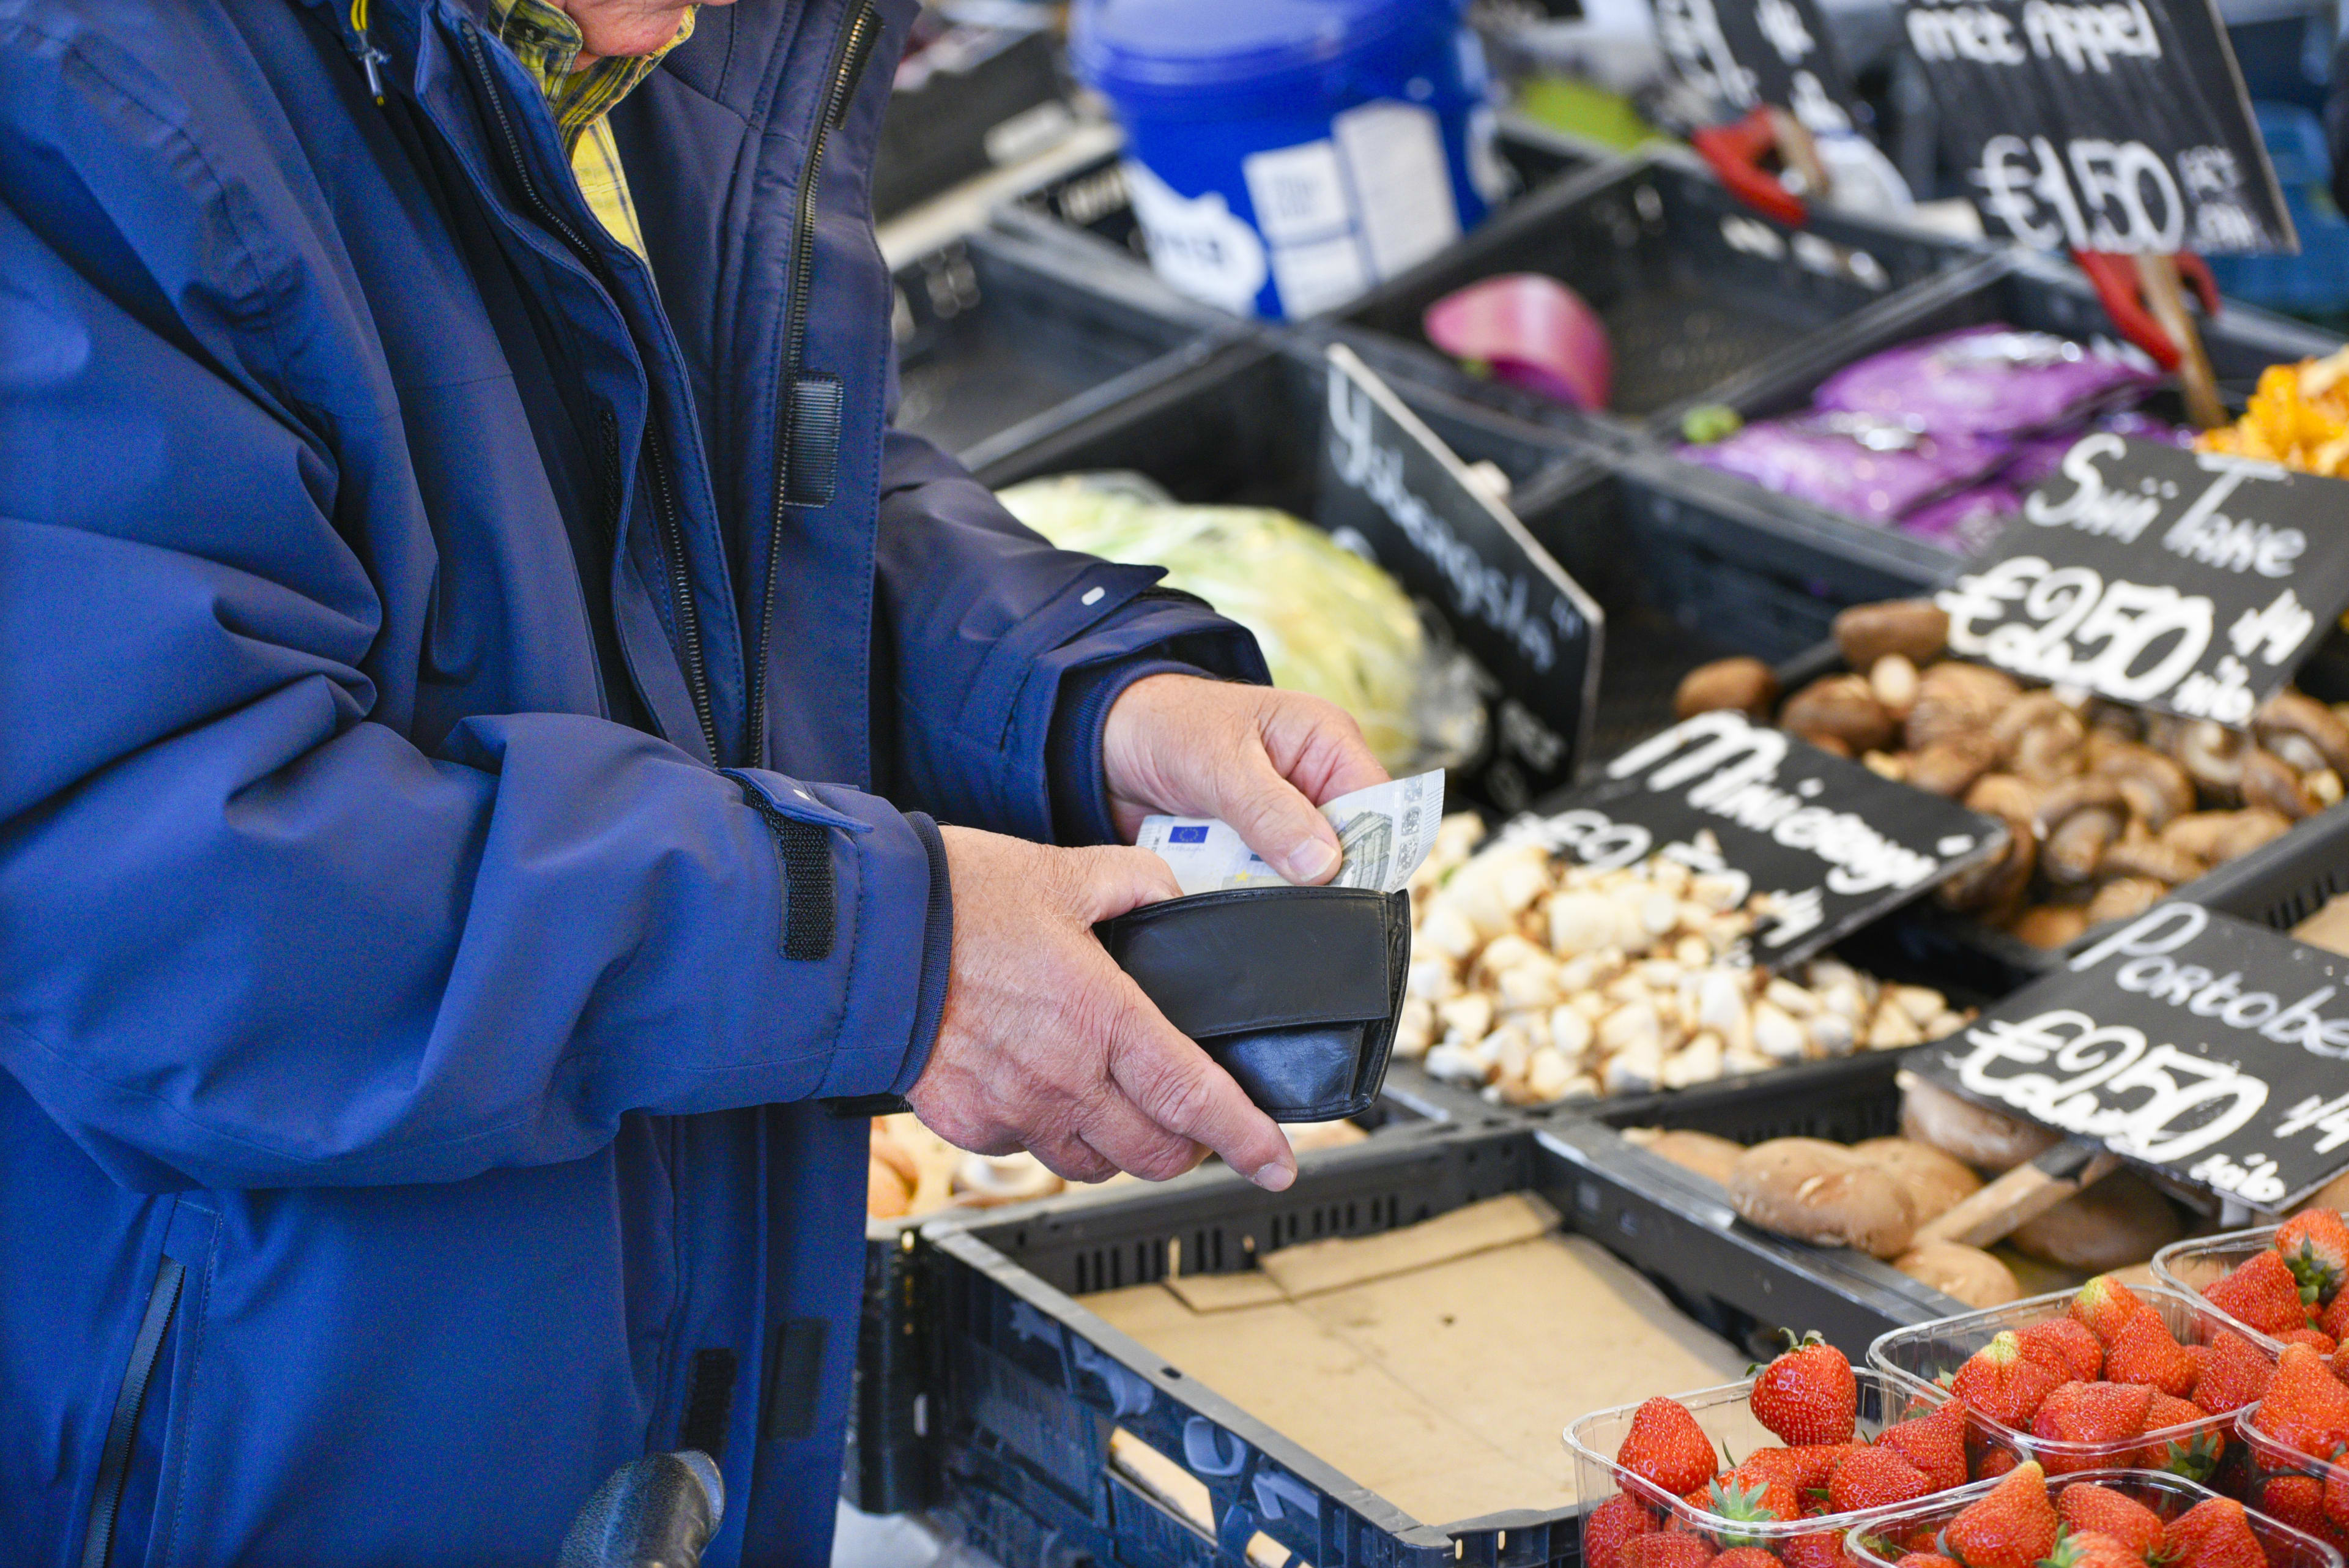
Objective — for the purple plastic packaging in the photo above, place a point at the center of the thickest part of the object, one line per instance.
(1969, 522)
(1863, 467)
(1987, 380)
(2036, 459)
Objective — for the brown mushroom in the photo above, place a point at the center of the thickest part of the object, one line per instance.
(2140, 852)
(2106, 717)
(1916, 630)
(2051, 750)
(2212, 756)
(1954, 699)
(1997, 885)
(2052, 925)
(2271, 784)
(1746, 685)
(1842, 708)
(1951, 767)
(2155, 788)
(2126, 896)
(2248, 830)
(2077, 821)
(2027, 711)
(2304, 732)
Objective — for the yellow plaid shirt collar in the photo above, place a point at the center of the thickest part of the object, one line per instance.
(547, 42)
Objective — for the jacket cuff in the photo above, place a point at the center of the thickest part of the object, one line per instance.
(938, 956)
(1073, 761)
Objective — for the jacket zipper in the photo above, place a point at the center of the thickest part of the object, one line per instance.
(851, 51)
(672, 532)
(114, 1458)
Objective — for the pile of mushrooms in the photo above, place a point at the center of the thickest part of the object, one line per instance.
(2107, 808)
(1535, 980)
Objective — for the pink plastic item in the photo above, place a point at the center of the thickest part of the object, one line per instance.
(1532, 331)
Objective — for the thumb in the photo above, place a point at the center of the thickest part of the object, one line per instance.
(1113, 879)
(1276, 820)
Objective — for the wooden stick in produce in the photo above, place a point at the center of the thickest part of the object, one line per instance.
(2022, 1195)
(1800, 151)
(2166, 297)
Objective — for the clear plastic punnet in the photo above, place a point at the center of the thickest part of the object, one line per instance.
(1913, 1527)
(1728, 1421)
(1922, 1356)
(2192, 1266)
(2277, 1477)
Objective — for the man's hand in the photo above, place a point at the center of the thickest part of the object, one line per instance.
(1257, 758)
(1047, 1045)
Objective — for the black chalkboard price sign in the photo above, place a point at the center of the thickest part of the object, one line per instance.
(2101, 125)
(2205, 1047)
(2188, 582)
(1834, 845)
(1393, 491)
(1743, 53)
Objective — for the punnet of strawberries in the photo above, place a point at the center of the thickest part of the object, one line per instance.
(2291, 1292)
(1686, 1502)
(2106, 1384)
(2100, 1519)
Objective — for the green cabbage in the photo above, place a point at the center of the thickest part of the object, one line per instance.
(1328, 621)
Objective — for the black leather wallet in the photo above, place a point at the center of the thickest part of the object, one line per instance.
(1293, 991)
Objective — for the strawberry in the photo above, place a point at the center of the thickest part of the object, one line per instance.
(2298, 1501)
(2180, 1446)
(1822, 1550)
(2094, 1416)
(2213, 1533)
(1998, 1382)
(1751, 1494)
(1935, 1444)
(2143, 1350)
(2262, 1294)
(2063, 1345)
(1808, 1467)
(1807, 1396)
(2316, 1339)
(1664, 1549)
(1996, 1461)
(2335, 1319)
(2013, 1527)
(1666, 1447)
(2315, 1246)
(2103, 1304)
(2306, 1408)
(1926, 1560)
(2337, 1501)
(2091, 1549)
(1609, 1525)
(2232, 1374)
(1745, 1557)
(1875, 1478)
(2086, 1506)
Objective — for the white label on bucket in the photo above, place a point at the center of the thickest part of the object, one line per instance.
(1197, 243)
(1299, 193)
(1395, 152)
(1319, 275)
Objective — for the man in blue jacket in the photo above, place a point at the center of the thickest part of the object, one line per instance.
(479, 682)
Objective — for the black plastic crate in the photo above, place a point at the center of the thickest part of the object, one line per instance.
(959, 106)
(1035, 1386)
(1000, 339)
(890, 1465)
(1244, 428)
(1694, 287)
(1089, 204)
(1769, 571)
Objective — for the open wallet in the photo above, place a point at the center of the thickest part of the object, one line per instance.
(1292, 990)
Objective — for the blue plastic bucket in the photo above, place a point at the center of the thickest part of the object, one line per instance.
(1285, 155)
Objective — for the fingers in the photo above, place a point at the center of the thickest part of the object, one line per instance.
(1172, 1083)
(1277, 821)
(1315, 745)
(1071, 1159)
(1112, 880)
(1134, 1143)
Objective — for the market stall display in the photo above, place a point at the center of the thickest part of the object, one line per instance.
(2299, 417)
(2108, 808)
(2282, 1284)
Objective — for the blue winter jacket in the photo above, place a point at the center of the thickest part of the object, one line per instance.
(468, 703)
